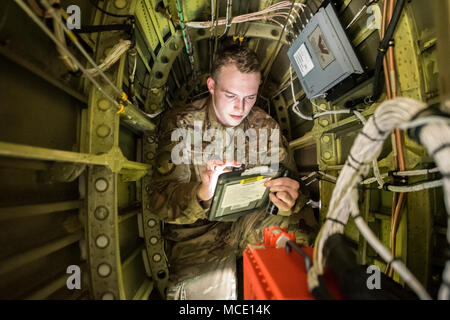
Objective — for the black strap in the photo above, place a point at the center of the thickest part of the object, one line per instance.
(335, 220)
(439, 149)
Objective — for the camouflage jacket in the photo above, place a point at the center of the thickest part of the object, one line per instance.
(174, 187)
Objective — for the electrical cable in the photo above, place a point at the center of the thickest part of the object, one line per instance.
(386, 41)
(415, 172)
(59, 34)
(183, 28)
(47, 31)
(436, 139)
(228, 13)
(277, 10)
(58, 43)
(417, 187)
(367, 146)
(113, 56)
(51, 11)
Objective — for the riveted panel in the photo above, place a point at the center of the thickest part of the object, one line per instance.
(152, 224)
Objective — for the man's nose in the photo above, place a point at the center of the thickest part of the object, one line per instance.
(239, 105)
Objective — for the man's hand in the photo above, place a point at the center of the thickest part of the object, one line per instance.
(283, 192)
(214, 168)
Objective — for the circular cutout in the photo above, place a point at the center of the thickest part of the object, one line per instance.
(151, 223)
(274, 33)
(159, 75)
(164, 59)
(327, 155)
(151, 139)
(103, 130)
(101, 213)
(201, 32)
(101, 185)
(103, 104)
(102, 241)
(161, 274)
(104, 270)
(120, 4)
(156, 257)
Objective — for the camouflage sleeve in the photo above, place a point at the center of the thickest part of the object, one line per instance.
(173, 191)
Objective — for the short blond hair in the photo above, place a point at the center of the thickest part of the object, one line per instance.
(242, 57)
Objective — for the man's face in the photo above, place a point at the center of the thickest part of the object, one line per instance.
(233, 94)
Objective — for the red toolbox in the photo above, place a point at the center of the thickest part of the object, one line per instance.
(272, 273)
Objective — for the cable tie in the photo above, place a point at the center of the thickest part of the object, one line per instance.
(381, 132)
(353, 158)
(350, 165)
(335, 220)
(440, 148)
(386, 186)
(370, 138)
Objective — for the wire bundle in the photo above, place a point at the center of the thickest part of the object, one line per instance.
(116, 52)
(436, 139)
(278, 10)
(367, 146)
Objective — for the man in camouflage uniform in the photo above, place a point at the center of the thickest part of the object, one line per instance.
(202, 253)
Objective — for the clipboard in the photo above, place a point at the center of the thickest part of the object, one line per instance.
(241, 192)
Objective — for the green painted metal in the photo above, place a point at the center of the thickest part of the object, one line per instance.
(113, 159)
(152, 225)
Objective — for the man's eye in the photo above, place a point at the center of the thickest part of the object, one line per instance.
(230, 96)
(251, 98)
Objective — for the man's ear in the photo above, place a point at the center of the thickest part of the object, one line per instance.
(210, 83)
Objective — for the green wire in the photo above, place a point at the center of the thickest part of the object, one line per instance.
(180, 14)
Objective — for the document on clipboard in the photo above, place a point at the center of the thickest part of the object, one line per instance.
(240, 192)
